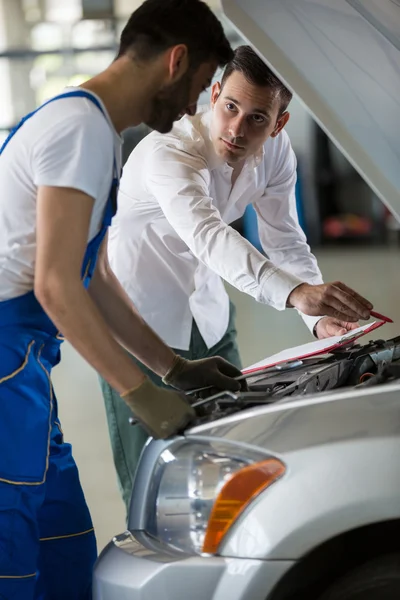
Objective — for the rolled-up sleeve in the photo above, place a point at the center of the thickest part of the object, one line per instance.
(281, 236)
(180, 182)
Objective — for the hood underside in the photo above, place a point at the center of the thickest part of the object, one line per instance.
(342, 59)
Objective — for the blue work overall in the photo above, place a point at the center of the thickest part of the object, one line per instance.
(47, 542)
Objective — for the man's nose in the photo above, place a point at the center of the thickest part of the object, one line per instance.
(236, 127)
(191, 110)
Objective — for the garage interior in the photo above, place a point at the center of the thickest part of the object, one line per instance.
(48, 44)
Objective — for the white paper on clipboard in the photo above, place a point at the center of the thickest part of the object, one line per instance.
(313, 348)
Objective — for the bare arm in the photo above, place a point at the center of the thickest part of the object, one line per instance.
(63, 217)
(128, 327)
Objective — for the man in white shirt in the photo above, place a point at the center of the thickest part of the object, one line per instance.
(59, 173)
(171, 243)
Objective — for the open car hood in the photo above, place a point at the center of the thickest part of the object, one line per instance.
(342, 59)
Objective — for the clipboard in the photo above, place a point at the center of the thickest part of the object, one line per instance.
(311, 349)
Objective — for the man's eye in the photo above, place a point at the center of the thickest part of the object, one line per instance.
(258, 119)
(230, 106)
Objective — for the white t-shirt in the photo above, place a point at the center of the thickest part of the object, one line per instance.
(68, 143)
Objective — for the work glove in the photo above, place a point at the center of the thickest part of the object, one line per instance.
(215, 372)
(162, 413)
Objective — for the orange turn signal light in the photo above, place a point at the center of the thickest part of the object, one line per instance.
(236, 495)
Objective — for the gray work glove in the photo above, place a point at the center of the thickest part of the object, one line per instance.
(191, 374)
(161, 412)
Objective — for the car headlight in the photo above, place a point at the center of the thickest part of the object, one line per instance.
(199, 490)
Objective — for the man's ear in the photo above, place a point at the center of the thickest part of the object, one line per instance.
(280, 124)
(177, 62)
(215, 92)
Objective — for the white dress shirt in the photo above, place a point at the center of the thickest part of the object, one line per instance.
(170, 242)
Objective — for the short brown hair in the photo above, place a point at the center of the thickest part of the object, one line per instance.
(255, 70)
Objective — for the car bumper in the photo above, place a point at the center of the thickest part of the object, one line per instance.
(135, 567)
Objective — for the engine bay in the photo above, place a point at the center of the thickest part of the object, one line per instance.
(356, 366)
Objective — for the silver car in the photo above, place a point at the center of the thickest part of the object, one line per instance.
(289, 490)
(278, 493)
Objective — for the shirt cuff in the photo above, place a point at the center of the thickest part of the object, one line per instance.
(277, 286)
(311, 322)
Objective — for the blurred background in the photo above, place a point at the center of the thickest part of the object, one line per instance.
(46, 45)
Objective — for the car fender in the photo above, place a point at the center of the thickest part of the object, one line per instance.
(325, 491)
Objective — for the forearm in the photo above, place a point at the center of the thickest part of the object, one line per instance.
(74, 313)
(127, 325)
(237, 261)
(286, 246)
(281, 236)
(217, 245)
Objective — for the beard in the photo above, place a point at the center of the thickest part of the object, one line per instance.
(169, 103)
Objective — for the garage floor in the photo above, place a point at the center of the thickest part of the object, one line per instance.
(372, 272)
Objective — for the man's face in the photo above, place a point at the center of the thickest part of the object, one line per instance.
(176, 99)
(245, 115)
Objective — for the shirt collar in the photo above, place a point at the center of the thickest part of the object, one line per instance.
(214, 161)
(256, 159)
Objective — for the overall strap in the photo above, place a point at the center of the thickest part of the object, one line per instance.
(71, 94)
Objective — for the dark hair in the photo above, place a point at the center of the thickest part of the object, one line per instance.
(255, 70)
(160, 24)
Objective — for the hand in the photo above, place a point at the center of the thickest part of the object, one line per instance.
(161, 412)
(190, 374)
(332, 299)
(329, 327)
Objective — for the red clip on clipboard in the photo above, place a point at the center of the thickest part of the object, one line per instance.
(314, 348)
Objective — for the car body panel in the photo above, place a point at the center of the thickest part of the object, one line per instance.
(311, 421)
(340, 450)
(138, 570)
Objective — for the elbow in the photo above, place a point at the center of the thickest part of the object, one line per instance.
(205, 238)
(52, 294)
(102, 279)
(45, 294)
(103, 271)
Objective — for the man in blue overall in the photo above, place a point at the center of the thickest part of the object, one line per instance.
(56, 172)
